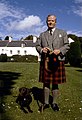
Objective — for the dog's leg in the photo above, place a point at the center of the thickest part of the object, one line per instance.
(17, 99)
(41, 109)
(29, 109)
(22, 108)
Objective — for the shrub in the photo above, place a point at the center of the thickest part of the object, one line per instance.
(3, 58)
(24, 58)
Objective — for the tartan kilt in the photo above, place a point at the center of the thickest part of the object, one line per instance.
(56, 75)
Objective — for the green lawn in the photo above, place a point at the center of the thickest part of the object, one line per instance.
(16, 75)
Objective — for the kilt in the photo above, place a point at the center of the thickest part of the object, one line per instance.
(52, 72)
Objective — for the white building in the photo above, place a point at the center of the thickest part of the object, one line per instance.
(23, 47)
(70, 40)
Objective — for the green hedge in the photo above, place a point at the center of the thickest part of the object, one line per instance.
(24, 58)
(3, 58)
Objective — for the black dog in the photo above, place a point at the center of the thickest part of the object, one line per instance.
(24, 99)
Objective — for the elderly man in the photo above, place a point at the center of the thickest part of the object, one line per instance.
(52, 45)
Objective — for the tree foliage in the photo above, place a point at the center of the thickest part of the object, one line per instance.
(7, 38)
(30, 37)
(74, 54)
(76, 38)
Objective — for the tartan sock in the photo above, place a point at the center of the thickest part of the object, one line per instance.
(55, 94)
(46, 95)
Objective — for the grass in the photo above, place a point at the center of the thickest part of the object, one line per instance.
(15, 75)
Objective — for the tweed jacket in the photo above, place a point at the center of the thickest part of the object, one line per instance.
(59, 40)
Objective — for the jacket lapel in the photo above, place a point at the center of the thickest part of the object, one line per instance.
(47, 37)
(55, 34)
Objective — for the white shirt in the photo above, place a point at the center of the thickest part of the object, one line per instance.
(52, 30)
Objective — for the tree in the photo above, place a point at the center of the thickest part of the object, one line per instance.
(74, 54)
(80, 39)
(30, 37)
(74, 37)
(7, 38)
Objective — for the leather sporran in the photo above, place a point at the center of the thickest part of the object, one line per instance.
(51, 62)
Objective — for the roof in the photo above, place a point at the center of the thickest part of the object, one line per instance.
(26, 43)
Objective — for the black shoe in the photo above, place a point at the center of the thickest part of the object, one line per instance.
(55, 107)
(45, 106)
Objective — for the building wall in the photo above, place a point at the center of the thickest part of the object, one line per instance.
(19, 51)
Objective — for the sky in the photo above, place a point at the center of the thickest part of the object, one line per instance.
(21, 18)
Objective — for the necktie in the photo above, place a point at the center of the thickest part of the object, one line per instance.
(50, 31)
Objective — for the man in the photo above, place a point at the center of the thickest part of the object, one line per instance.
(52, 45)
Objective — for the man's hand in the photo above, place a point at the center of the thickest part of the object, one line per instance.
(45, 50)
(56, 51)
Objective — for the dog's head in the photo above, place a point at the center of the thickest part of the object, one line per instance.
(23, 91)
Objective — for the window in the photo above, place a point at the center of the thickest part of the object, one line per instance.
(10, 51)
(18, 51)
(25, 52)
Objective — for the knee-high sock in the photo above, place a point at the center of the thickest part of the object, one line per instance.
(46, 95)
(55, 94)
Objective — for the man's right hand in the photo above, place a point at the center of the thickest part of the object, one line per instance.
(45, 50)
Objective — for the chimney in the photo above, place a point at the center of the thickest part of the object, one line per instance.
(10, 38)
(34, 39)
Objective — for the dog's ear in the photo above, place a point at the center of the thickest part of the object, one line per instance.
(20, 89)
(28, 91)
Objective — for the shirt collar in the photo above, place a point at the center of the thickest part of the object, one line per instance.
(53, 29)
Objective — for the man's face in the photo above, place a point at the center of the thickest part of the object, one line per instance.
(51, 22)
